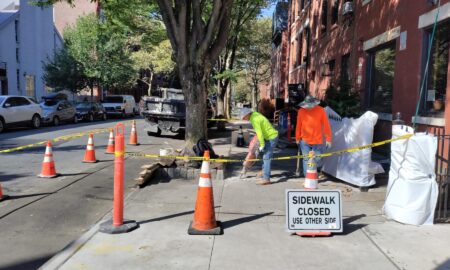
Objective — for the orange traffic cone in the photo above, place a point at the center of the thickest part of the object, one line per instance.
(2, 196)
(311, 183)
(133, 136)
(89, 156)
(204, 222)
(311, 179)
(110, 146)
(48, 165)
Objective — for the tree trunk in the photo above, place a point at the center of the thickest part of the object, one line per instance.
(255, 98)
(194, 81)
(227, 102)
(150, 84)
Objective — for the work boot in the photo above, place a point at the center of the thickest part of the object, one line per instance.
(263, 182)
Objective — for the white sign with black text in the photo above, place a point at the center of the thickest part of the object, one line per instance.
(314, 210)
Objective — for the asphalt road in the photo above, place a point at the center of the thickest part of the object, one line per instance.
(43, 215)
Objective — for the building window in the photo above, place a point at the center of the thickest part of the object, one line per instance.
(381, 64)
(298, 59)
(335, 12)
(17, 55)
(345, 72)
(16, 30)
(324, 21)
(331, 66)
(436, 79)
(307, 38)
(18, 80)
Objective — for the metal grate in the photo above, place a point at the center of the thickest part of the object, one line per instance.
(443, 178)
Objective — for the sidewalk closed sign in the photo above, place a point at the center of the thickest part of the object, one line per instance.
(313, 210)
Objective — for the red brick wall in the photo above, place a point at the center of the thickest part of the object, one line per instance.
(64, 14)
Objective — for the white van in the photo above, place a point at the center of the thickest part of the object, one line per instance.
(123, 105)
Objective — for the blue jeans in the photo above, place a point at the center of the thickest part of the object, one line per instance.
(305, 148)
(267, 155)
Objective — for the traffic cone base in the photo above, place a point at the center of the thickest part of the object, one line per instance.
(313, 234)
(48, 165)
(2, 196)
(204, 222)
(214, 231)
(127, 226)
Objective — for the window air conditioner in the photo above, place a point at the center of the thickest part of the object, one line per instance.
(347, 8)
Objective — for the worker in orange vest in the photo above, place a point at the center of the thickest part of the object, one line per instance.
(312, 127)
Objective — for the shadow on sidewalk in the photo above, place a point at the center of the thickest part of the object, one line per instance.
(30, 264)
(239, 221)
(168, 216)
(350, 228)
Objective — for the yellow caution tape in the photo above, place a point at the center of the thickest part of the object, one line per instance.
(62, 138)
(225, 160)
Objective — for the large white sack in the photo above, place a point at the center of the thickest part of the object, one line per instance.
(412, 190)
(356, 168)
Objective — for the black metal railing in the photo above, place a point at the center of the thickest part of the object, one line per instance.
(443, 178)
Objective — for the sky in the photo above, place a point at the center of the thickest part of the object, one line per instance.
(267, 12)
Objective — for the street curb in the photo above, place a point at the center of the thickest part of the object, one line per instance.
(67, 252)
(61, 257)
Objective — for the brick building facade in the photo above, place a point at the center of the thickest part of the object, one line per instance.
(378, 48)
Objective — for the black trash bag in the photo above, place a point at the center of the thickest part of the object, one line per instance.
(202, 146)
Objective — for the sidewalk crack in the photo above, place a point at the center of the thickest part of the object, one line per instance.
(379, 248)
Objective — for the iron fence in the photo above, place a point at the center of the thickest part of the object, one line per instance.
(443, 178)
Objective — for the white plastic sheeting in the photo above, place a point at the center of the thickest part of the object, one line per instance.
(412, 190)
(356, 168)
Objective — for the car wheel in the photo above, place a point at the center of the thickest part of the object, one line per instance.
(2, 125)
(91, 117)
(36, 121)
(157, 133)
(123, 114)
(56, 121)
(104, 117)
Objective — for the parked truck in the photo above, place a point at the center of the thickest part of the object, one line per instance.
(167, 112)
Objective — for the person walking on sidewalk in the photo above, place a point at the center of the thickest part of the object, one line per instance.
(312, 127)
(267, 137)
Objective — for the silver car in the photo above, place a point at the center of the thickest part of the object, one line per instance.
(56, 110)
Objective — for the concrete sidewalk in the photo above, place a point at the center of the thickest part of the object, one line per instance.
(255, 237)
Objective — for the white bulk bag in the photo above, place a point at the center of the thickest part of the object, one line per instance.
(412, 190)
(356, 168)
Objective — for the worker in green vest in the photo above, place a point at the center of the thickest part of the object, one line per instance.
(267, 137)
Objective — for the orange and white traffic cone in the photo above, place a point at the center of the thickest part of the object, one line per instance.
(48, 165)
(2, 196)
(311, 183)
(204, 222)
(311, 179)
(89, 155)
(110, 146)
(133, 136)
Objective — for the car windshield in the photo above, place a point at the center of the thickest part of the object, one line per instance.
(84, 105)
(112, 99)
(50, 102)
(1, 99)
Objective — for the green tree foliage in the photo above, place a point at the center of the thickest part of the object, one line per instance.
(102, 51)
(255, 53)
(64, 72)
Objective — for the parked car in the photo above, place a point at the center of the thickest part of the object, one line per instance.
(19, 110)
(122, 105)
(57, 110)
(168, 112)
(90, 111)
